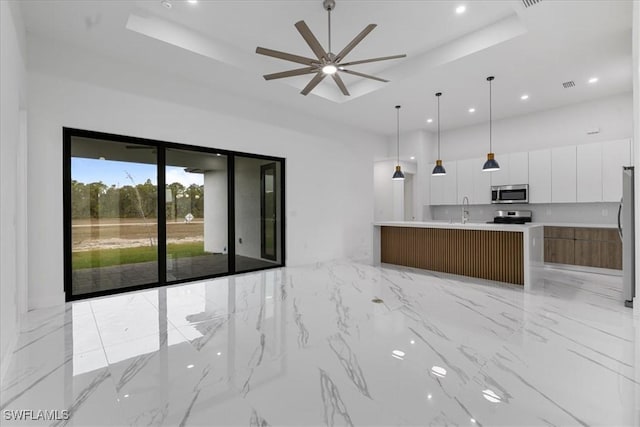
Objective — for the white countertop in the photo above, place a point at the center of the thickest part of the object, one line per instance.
(457, 225)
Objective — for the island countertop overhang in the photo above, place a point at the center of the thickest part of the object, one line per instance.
(459, 226)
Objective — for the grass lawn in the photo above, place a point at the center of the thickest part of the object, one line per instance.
(110, 257)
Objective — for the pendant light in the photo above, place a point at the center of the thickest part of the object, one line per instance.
(398, 175)
(438, 170)
(491, 164)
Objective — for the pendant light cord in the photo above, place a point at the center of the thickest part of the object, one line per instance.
(398, 132)
(490, 119)
(438, 96)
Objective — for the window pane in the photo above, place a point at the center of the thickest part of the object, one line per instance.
(196, 198)
(257, 213)
(113, 215)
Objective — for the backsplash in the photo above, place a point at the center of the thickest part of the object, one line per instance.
(582, 213)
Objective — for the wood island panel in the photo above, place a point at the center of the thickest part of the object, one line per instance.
(492, 255)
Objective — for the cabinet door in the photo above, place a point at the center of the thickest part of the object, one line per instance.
(518, 168)
(561, 251)
(465, 180)
(589, 172)
(587, 253)
(481, 183)
(436, 187)
(563, 174)
(615, 154)
(540, 176)
(500, 177)
(449, 181)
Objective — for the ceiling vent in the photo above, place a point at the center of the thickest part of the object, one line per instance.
(569, 84)
(529, 3)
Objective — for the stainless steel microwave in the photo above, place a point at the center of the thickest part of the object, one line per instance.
(510, 193)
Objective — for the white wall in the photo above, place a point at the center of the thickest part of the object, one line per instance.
(12, 176)
(329, 191)
(636, 141)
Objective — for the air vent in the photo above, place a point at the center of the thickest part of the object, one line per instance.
(569, 84)
(529, 3)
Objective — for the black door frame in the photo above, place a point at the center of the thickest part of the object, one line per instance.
(161, 146)
(263, 231)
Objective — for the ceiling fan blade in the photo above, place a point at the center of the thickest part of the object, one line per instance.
(290, 73)
(313, 83)
(365, 61)
(311, 40)
(285, 56)
(353, 43)
(366, 76)
(340, 83)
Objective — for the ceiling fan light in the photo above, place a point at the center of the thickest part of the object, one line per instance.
(329, 69)
(439, 170)
(491, 165)
(398, 175)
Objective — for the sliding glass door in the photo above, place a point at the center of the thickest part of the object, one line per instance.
(114, 221)
(218, 213)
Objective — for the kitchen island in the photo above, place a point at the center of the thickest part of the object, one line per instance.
(499, 252)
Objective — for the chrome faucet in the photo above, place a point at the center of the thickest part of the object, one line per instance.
(465, 212)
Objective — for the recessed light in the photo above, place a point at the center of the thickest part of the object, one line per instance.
(192, 1)
(126, 395)
(429, 396)
(593, 80)
(472, 110)
(190, 366)
(461, 9)
(412, 158)
(219, 353)
(429, 120)
(524, 97)
(166, 3)
(439, 371)
(473, 420)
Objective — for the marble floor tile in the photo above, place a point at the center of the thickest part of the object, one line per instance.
(307, 346)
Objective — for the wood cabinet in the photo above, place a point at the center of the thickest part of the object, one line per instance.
(591, 247)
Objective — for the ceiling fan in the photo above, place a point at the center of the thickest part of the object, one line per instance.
(327, 63)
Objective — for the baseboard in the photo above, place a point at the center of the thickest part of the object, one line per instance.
(8, 357)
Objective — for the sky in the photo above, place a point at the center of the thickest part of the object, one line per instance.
(112, 172)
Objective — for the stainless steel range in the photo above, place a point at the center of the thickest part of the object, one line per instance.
(511, 217)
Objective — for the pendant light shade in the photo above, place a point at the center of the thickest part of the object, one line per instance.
(398, 175)
(491, 164)
(438, 170)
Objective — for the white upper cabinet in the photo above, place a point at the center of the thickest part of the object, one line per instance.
(518, 168)
(450, 187)
(615, 154)
(465, 179)
(514, 169)
(481, 183)
(500, 177)
(563, 174)
(436, 184)
(589, 172)
(540, 176)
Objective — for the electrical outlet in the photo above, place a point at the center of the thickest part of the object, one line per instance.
(239, 239)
